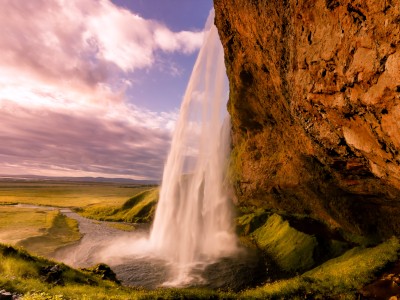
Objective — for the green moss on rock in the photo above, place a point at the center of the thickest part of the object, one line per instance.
(292, 250)
(340, 278)
(250, 221)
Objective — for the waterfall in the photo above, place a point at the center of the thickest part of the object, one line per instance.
(193, 224)
(193, 234)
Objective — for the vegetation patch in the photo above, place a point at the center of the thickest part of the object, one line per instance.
(291, 250)
(339, 277)
(19, 223)
(291, 243)
(28, 275)
(67, 194)
(122, 226)
(251, 220)
(138, 209)
(63, 231)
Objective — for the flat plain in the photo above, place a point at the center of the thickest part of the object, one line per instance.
(66, 193)
(42, 230)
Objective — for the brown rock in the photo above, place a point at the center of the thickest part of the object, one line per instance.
(315, 90)
(382, 289)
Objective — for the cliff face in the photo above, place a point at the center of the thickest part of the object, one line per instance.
(315, 106)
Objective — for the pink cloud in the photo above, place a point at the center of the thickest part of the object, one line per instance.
(64, 66)
(64, 143)
(83, 40)
(184, 41)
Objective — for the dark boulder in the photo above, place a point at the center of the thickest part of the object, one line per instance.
(104, 271)
(52, 274)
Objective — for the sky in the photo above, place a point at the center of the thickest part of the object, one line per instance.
(93, 87)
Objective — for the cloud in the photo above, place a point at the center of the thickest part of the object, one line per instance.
(83, 40)
(64, 68)
(66, 143)
(185, 41)
(130, 41)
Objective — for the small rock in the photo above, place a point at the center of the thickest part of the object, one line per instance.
(390, 276)
(383, 289)
(6, 295)
(105, 272)
(55, 268)
(52, 274)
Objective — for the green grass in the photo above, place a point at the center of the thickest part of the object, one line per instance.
(292, 250)
(20, 272)
(41, 231)
(250, 220)
(340, 277)
(62, 232)
(17, 223)
(122, 226)
(66, 194)
(138, 209)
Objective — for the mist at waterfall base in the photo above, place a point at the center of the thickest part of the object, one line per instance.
(192, 241)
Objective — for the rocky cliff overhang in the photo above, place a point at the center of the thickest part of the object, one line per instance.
(315, 106)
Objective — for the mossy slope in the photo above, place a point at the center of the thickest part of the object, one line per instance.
(22, 273)
(291, 249)
(331, 264)
(138, 209)
(340, 277)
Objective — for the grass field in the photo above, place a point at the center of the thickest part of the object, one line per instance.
(42, 230)
(39, 230)
(62, 232)
(67, 194)
(17, 223)
(339, 278)
(137, 209)
(23, 273)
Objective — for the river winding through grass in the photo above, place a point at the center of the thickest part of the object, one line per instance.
(104, 242)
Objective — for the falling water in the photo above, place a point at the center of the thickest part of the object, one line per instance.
(193, 233)
(193, 223)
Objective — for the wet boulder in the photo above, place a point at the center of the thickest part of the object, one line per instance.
(104, 271)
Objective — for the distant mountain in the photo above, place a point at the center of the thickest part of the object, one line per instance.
(78, 179)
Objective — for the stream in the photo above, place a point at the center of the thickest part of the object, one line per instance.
(96, 245)
(125, 252)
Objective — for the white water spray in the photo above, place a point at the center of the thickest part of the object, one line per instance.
(193, 223)
(193, 227)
